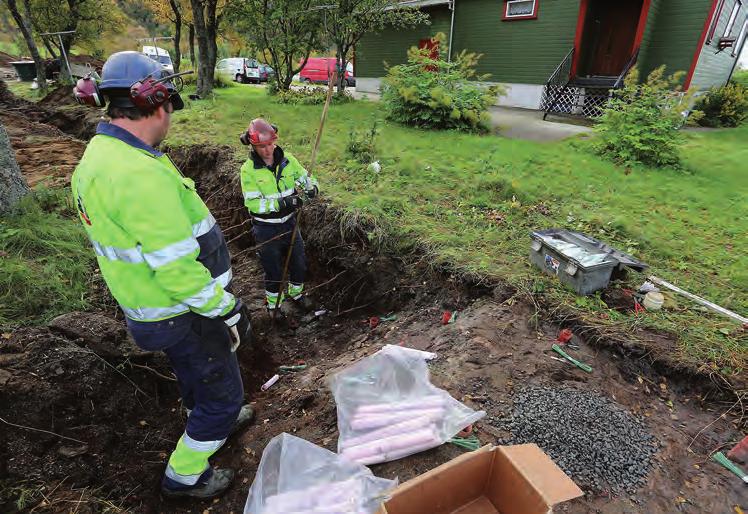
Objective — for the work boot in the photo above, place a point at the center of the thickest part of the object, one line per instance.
(214, 484)
(245, 417)
(304, 303)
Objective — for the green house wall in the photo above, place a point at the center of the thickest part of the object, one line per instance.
(673, 28)
(516, 51)
(519, 51)
(391, 45)
(713, 69)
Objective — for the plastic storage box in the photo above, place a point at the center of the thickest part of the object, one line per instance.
(580, 262)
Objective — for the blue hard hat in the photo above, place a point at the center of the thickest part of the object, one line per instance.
(123, 69)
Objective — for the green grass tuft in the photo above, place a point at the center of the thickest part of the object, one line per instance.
(46, 261)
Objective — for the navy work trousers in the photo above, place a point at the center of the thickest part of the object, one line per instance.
(273, 253)
(208, 376)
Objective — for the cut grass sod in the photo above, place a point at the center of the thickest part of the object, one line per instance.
(470, 201)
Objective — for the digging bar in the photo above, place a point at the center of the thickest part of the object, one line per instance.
(284, 276)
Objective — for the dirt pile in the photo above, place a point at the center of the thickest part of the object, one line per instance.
(72, 119)
(6, 59)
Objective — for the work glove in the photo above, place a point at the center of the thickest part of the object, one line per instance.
(311, 193)
(290, 202)
(239, 325)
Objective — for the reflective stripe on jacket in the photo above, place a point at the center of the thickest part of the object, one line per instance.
(158, 247)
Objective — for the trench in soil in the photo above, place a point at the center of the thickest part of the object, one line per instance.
(83, 378)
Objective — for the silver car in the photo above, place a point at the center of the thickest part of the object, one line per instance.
(238, 69)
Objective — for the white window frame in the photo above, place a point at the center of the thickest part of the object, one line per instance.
(741, 37)
(733, 17)
(508, 16)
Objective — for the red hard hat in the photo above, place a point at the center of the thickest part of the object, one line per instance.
(260, 133)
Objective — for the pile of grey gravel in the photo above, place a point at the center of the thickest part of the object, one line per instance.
(596, 442)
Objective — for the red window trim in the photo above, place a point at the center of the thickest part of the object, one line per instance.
(533, 16)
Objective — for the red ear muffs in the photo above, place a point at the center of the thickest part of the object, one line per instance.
(86, 92)
(149, 94)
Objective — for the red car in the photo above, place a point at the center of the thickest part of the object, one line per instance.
(317, 69)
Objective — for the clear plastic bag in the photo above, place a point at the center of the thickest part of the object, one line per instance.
(298, 477)
(388, 408)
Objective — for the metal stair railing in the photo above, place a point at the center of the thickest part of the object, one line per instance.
(557, 83)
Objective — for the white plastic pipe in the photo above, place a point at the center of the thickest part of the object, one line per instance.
(427, 402)
(405, 427)
(390, 444)
(399, 454)
(372, 421)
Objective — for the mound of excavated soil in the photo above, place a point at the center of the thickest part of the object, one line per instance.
(6, 59)
(62, 95)
(45, 154)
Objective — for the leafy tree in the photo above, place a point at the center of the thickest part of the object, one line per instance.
(346, 21)
(23, 21)
(90, 19)
(641, 123)
(171, 11)
(284, 31)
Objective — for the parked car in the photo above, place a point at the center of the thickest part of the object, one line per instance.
(161, 56)
(238, 69)
(317, 70)
(266, 72)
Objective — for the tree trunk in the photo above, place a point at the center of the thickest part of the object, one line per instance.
(341, 57)
(24, 24)
(192, 44)
(204, 15)
(12, 184)
(177, 35)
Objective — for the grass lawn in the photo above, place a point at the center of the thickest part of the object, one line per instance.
(471, 200)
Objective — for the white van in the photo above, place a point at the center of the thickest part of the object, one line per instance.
(238, 69)
(161, 56)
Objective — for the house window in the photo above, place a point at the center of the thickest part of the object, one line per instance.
(715, 21)
(741, 38)
(520, 10)
(733, 17)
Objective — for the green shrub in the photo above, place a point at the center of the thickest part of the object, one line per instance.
(430, 92)
(362, 146)
(740, 77)
(641, 123)
(725, 106)
(309, 95)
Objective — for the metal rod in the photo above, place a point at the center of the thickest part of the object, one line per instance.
(284, 275)
(64, 54)
(698, 299)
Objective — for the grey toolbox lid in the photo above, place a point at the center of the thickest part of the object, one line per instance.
(564, 241)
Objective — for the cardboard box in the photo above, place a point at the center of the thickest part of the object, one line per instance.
(517, 479)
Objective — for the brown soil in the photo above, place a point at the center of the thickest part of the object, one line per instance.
(82, 378)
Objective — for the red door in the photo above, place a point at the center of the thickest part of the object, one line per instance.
(609, 36)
